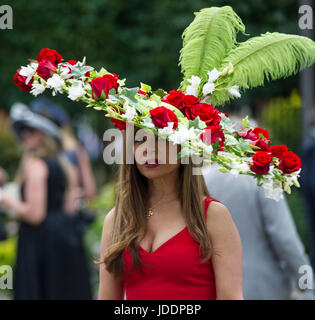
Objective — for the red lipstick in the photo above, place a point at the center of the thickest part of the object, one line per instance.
(153, 163)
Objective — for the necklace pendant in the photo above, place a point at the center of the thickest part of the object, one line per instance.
(150, 213)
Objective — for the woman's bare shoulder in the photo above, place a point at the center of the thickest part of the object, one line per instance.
(34, 166)
(219, 218)
(109, 219)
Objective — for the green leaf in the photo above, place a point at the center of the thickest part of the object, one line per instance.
(79, 69)
(145, 87)
(267, 57)
(244, 146)
(245, 122)
(197, 123)
(224, 170)
(178, 113)
(102, 72)
(160, 92)
(226, 123)
(207, 40)
(129, 93)
(230, 140)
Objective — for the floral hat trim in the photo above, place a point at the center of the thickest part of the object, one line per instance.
(180, 117)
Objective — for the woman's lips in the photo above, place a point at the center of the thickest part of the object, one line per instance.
(154, 163)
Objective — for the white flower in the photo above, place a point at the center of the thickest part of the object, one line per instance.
(76, 91)
(213, 75)
(208, 149)
(194, 81)
(208, 88)
(238, 167)
(234, 91)
(272, 190)
(27, 72)
(167, 130)
(65, 72)
(37, 89)
(148, 122)
(56, 83)
(228, 69)
(34, 65)
(192, 89)
(182, 135)
(130, 112)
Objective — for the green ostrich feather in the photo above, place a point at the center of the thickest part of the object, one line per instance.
(207, 40)
(267, 57)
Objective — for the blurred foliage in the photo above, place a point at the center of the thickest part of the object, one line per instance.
(10, 154)
(101, 205)
(7, 257)
(139, 40)
(283, 116)
(296, 204)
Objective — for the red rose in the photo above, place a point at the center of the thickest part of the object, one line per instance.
(20, 81)
(253, 134)
(278, 150)
(72, 62)
(104, 84)
(120, 124)
(290, 162)
(261, 131)
(212, 134)
(190, 100)
(175, 98)
(161, 116)
(206, 113)
(262, 144)
(261, 162)
(49, 54)
(45, 68)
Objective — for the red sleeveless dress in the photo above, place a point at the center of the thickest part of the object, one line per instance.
(175, 271)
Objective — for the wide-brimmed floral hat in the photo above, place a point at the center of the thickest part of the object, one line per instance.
(216, 68)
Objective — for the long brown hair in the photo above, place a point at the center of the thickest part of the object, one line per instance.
(130, 222)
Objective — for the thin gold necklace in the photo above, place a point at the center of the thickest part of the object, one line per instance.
(150, 210)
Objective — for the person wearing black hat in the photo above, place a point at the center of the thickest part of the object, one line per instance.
(51, 262)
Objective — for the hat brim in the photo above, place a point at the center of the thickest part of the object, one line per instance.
(22, 116)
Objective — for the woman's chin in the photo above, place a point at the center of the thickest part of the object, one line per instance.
(152, 172)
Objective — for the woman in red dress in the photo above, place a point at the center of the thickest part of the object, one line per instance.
(166, 238)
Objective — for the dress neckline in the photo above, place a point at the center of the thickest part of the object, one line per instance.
(170, 239)
(164, 243)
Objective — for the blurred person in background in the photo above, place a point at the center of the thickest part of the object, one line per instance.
(75, 153)
(71, 147)
(272, 249)
(308, 184)
(51, 262)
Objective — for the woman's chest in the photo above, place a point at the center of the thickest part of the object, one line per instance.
(178, 258)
